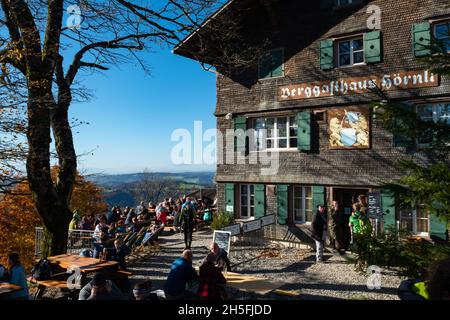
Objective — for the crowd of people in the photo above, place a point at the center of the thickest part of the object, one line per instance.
(182, 213)
(108, 233)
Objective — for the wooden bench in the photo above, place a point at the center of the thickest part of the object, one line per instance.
(53, 283)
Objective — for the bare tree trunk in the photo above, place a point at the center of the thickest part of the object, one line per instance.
(52, 200)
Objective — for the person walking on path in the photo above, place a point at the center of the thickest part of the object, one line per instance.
(187, 224)
(319, 226)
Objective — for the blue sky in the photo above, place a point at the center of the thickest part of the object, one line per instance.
(133, 115)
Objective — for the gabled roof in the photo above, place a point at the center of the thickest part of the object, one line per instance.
(208, 20)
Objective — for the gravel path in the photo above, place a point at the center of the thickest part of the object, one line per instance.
(335, 278)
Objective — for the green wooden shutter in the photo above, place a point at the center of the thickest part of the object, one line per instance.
(318, 194)
(303, 131)
(372, 47)
(326, 55)
(240, 127)
(282, 204)
(229, 198)
(260, 196)
(388, 208)
(438, 227)
(421, 35)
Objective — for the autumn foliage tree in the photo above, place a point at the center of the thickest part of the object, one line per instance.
(19, 217)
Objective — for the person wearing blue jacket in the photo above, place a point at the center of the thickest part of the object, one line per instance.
(181, 274)
(16, 275)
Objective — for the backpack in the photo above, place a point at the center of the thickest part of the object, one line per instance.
(207, 216)
(366, 226)
(42, 270)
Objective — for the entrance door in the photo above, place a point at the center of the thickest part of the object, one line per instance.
(346, 198)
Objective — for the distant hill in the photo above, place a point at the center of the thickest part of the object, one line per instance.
(120, 189)
(114, 180)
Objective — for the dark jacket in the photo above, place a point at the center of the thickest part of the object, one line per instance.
(319, 224)
(222, 260)
(209, 281)
(120, 255)
(187, 219)
(180, 274)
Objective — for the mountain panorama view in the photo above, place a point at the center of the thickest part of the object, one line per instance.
(196, 151)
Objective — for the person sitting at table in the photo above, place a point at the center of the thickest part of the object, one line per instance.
(119, 253)
(181, 273)
(100, 226)
(142, 291)
(16, 275)
(222, 256)
(104, 243)
(100, 288)
(211, 280)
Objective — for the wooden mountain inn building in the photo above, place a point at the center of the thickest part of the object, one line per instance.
(311, 91)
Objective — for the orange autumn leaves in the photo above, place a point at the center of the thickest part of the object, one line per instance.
(18, 216)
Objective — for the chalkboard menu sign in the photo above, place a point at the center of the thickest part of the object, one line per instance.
(374, 204)
(223, 239)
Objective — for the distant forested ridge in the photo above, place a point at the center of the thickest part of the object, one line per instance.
(130, 189)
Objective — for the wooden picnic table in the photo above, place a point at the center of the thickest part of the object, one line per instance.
(6, 288)
(66, 261)
(85, 264)
(248, 283)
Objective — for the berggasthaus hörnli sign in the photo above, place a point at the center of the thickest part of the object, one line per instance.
(400, 80)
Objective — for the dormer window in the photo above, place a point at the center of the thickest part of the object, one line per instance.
(271, 64)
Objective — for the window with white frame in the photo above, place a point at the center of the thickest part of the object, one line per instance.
(275, 133)
(439, 112)
(303, 204)
(416, 221)
(350, 52)
(247, 200)
(441, 33)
